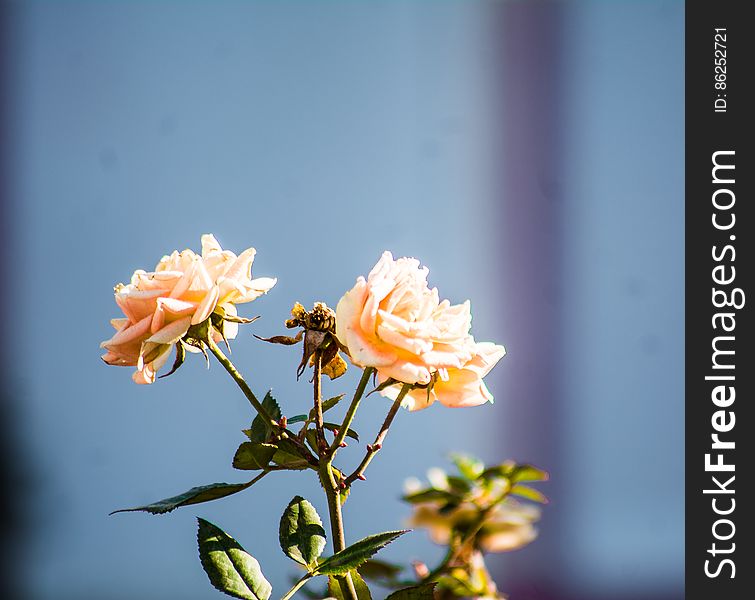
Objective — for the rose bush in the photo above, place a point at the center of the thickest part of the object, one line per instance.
(392, 321)
(183, 290)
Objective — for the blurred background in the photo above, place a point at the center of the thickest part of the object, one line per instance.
(529, 153)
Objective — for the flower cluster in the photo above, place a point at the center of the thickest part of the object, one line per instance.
(415, 349)
(392, 321)
(183, 290)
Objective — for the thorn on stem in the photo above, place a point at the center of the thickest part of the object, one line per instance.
(283, 422)
(342, 445)
(420, 569)
(361, 477)
(377, 447)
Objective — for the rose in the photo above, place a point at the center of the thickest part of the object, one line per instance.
(183, 290)
(507, 527)
(392, 321)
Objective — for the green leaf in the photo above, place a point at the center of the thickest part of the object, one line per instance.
(528, 473)
(363, 592)
(253, 456)
(311, 438)
(327, 405)
(449, 507)
(301, 534)
(230, 568)
(530, 493)
(429, 495)
(297, 419)
(515, 473)
(196, 495)
(379, 570)
(417, 592)
(288, 456)
(260, 430)
(459, 485)
(356, 554)
(469, 466)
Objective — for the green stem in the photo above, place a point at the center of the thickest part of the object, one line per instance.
(378, 443)
(275, 425)
(347, 420)
(257, 478)
(233, 372)
(297, 585)
(317, 385)
(329, 483)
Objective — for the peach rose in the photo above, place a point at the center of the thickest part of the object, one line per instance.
(394, 322)
(183, 290)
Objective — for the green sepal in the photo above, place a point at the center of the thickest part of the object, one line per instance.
(387, 383)
(196, 495)
(180, 357)
(424, 591)
(253, 456)
(230, 568)
(301, 534)
(355, 555)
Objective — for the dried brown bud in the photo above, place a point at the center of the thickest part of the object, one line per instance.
(321, 318)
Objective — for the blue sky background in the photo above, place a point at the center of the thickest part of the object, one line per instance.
(322, 134)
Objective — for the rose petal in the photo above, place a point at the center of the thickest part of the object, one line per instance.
(171, 333)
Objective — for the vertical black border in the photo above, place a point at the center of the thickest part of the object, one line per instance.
(13, 480)
(708, 131)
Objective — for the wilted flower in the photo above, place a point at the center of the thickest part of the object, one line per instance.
(318, 332)
(394, 322)
(185, 289)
